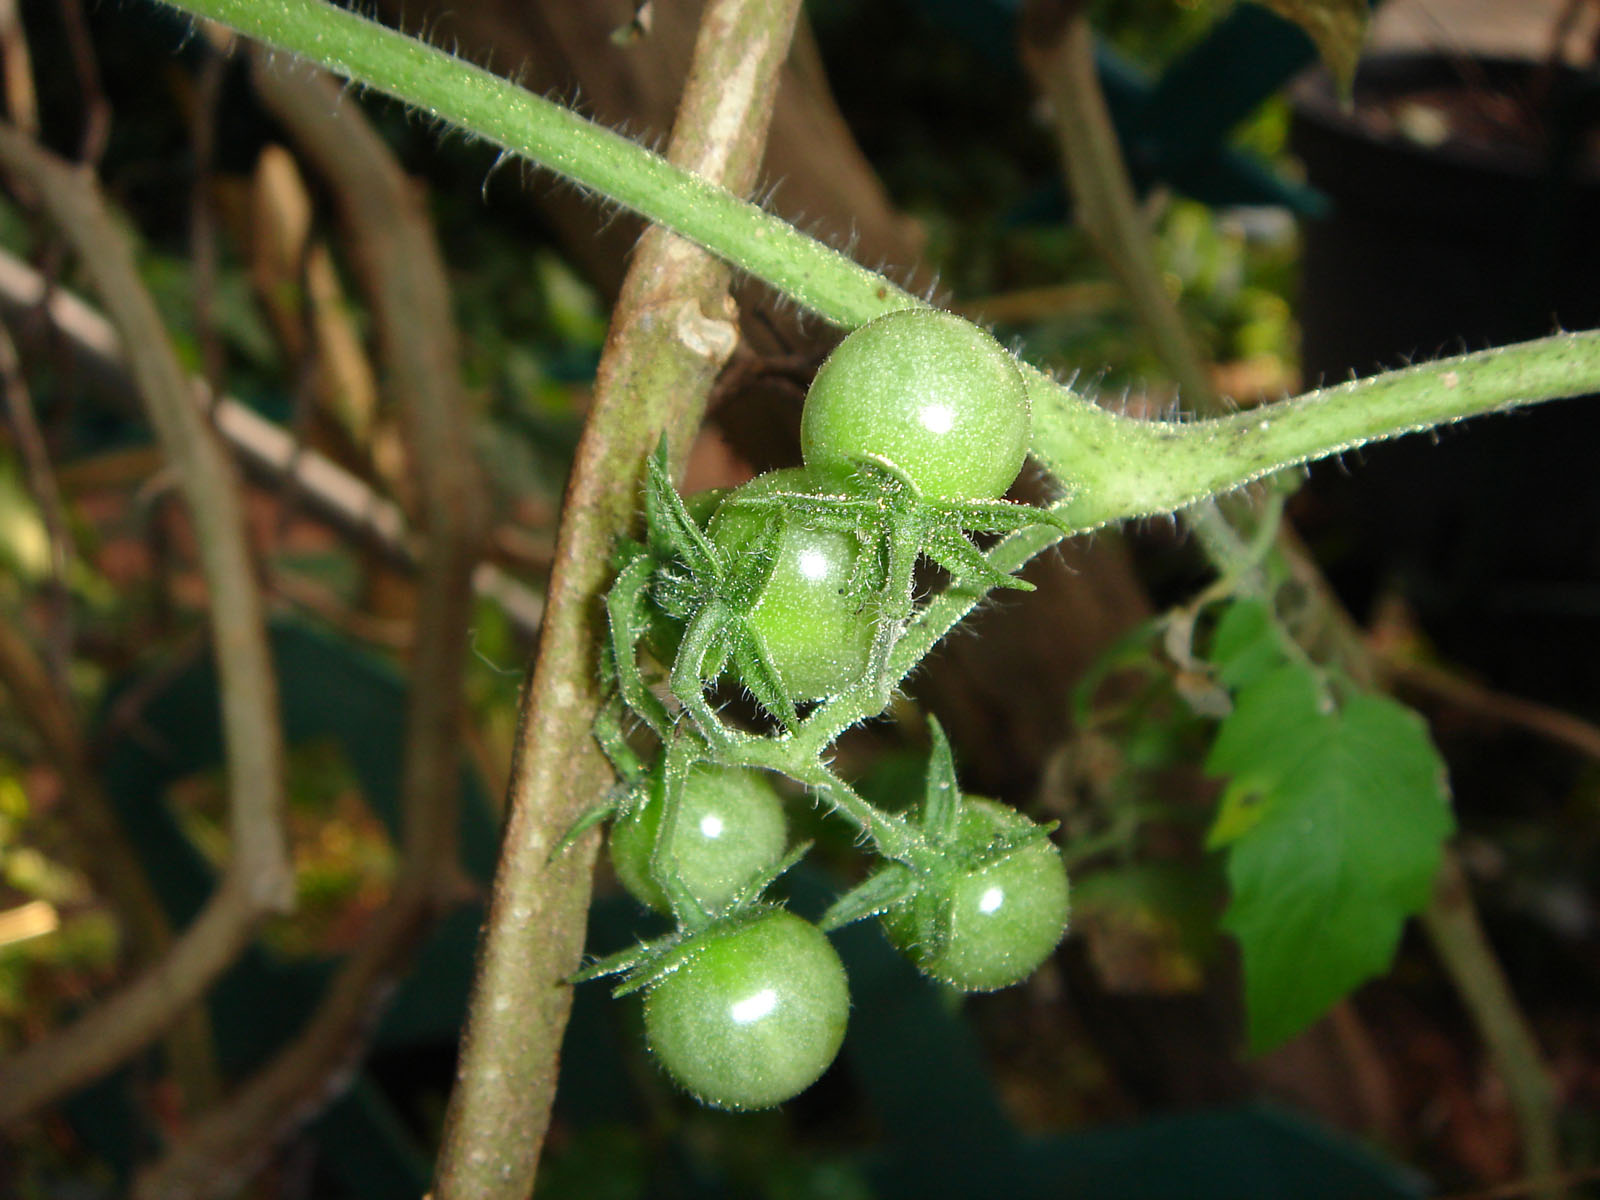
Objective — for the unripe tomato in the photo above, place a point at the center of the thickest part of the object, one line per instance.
(818, 636)
(755, 1014)
(927, 391)
(983, 927)
(730, 825)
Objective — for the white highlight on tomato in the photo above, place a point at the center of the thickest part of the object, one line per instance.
(753, 1008)
(711, 826)
(813, 564)
(937, 418)
(991, 900)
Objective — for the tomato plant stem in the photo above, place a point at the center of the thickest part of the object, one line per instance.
(1116, 467)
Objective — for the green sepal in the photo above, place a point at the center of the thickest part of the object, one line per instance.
(889, 885)
(966, 563)
(941, 796)
(759, 883)
(754, 668)
(1009, 843)
(836, 512)
(673, 532)
(622, 961)
(751, 570)
(998, 516)
(668, 954)
(607, 731)
(629, 624)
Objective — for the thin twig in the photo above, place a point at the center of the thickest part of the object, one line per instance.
(1457, 937)
(672, 331)
(96, 107)
(392, 244)
(258, 881)
(98, 848)
(202, 211)
(1542, 720)
(1058, 46)
(101, 850)
(46, 494)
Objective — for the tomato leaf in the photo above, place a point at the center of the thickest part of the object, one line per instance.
(1333, 822)
(1246, 645)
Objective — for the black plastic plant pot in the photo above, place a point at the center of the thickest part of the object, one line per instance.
(1465, 209)
(1441, 238)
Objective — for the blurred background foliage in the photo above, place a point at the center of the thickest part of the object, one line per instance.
(1136, 1021)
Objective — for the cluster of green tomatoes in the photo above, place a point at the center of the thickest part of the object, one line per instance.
(799, 586)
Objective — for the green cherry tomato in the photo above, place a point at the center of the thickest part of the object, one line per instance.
(818, 636)
(755, 1014)
(932, 394)
(730, 826)
(984, 927)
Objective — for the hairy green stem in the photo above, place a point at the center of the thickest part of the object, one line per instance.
(1116, 467)
(1458, 938)
(799, 759)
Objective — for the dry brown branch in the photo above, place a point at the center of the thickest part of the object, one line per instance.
(258, 881)
(100, 850)
(98, 847)
(16, 66)
(1542, 720)
(265, 450)
(1058, 49)
(86, 66)
(673, 329)
(388, 230)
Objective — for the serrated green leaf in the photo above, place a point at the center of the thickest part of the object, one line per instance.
(1348, 810)
(1246, 645)
(1338, 27)
(1276, 723)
